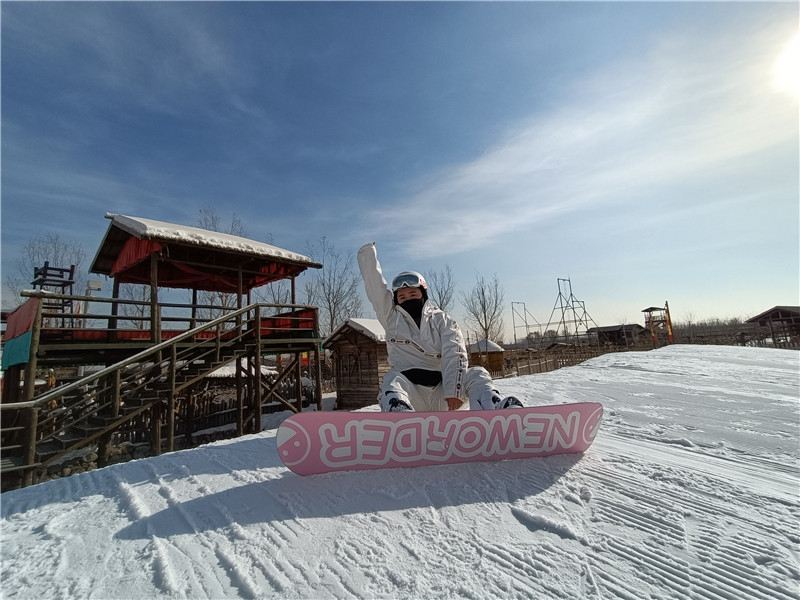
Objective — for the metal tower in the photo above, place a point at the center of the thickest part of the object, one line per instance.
(569, 316)
(522, 319)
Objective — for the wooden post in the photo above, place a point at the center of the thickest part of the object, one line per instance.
(104, 444)
(155, 317)
(192, 398)
(298, 381)
(257, 367)
(30, 369)
(112, 321)
(239, 297)
(171, 401)
(30, 444)
(318, 378)
(155, 428)
(217, 342)
(193, 322)
(239, 399)
(11, 380)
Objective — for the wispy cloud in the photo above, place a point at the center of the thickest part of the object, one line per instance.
(165, 58)
(675, 115)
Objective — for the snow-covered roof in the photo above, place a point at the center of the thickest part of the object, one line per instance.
(371, 328)
(485, 346)
(161, 230)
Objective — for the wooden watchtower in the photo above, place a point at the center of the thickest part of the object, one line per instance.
(659, 323)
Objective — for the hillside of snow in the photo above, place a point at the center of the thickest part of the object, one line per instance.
(691, 490)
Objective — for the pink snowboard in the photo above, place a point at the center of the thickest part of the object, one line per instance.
(321, 442)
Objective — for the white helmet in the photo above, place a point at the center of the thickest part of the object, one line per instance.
(410, 279)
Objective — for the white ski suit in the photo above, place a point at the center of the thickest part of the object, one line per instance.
(435, 345)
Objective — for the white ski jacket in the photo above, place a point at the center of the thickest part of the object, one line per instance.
(436, 345)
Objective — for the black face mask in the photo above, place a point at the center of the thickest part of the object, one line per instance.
(414, 308)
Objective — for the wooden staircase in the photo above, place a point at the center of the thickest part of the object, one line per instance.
(88, 412)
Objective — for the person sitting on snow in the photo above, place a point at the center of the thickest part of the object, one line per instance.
(426, 351)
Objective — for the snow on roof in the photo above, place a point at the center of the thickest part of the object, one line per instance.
(161, 230)
(371, 328)
(485, 346)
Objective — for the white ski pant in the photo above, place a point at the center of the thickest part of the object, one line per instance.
(477, 385)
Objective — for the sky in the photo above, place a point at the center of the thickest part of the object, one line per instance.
(645, 151)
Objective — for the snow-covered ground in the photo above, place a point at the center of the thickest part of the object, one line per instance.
(691, 490)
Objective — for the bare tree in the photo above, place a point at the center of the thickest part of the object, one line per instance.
(441, 287)
(139, 313)
(277, 292)
(57, 251)
(334, 288)
(209, 219)
(484, 307)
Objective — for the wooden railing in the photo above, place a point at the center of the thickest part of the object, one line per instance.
(43, 430)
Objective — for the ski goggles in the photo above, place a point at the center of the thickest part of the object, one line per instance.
(407, 280)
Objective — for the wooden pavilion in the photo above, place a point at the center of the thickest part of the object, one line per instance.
(149, 369)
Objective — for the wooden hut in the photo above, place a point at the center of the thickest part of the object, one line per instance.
(486, 354)
(618, 335)
(360, 362)
(783, 323)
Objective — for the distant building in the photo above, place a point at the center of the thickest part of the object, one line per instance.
(783, 323)
(619, 335)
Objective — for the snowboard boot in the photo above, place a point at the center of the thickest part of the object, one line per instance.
(511, 402)
(498, 402)
(492, 400)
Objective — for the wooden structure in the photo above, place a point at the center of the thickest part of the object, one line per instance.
(59, 281)
(487, 354)
(620, 336)
(360, 362)
(148, 373)
(783, 323)
(658, 322)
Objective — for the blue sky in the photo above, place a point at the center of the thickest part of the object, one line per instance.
(644, 150)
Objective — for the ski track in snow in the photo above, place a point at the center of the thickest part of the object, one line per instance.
(640, 515)
(690, 545)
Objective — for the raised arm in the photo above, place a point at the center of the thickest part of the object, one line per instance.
(378, 292)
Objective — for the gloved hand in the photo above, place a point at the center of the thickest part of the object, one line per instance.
(453, 403)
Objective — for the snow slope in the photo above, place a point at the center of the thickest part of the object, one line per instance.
(691, 490)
